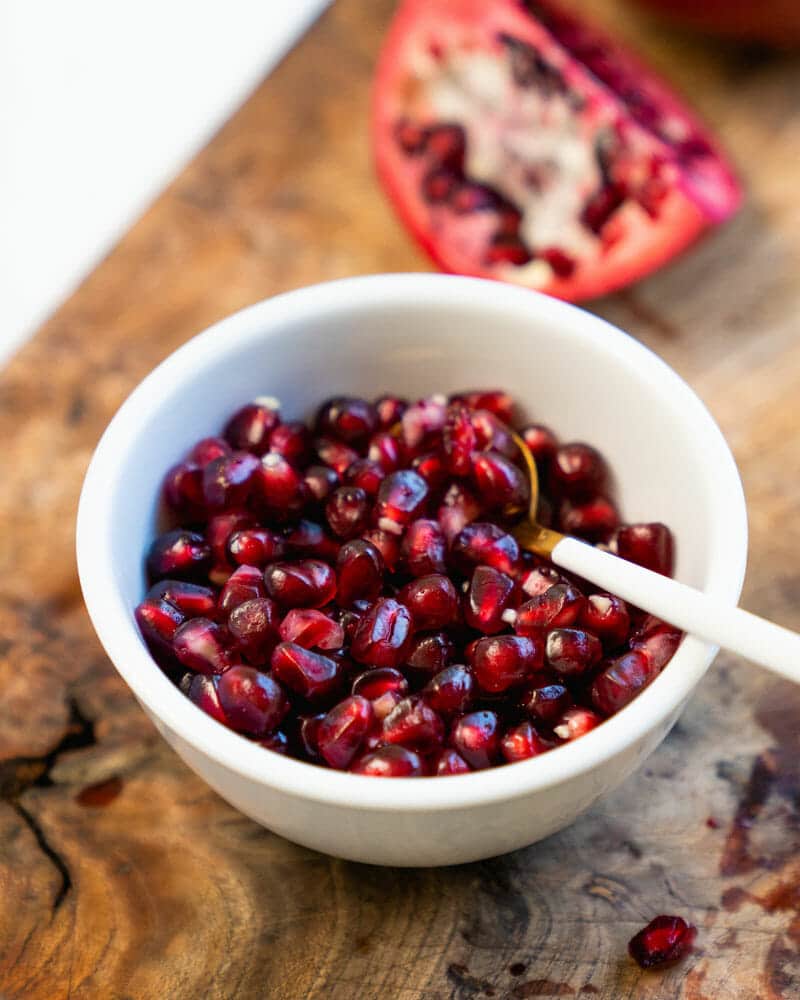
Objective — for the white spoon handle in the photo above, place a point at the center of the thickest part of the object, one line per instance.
(769, 645)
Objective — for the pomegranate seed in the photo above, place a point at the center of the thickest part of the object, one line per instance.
(250, 428)
(449, 762)
(430, 653)
(432, 601)
(505, 248)
(482, 543)
(335, 454)
(424, 548)
(505, 660)
(207, 450)
(199, 644)
(414, 725)
(491, 435)
(347, 419)
(347, 511)
(203, 692)
(607, 616)
(254, 628)
(278, 485)
(359, 569)
(498, 403)
(571, 651)
(373, 684)
(576, 722)
(253, 702)
(228, 480)
(430, 465)
(659, 645)
(254, 547)
(559, 606)
(183, 492)
(182, 555)
(401, 498)
(342, 731)
(547, 702)
(158, 622)
(383, 635)
(308, 538)
(450, 690)
(540, 579)
(311, 629)
(293, 441)
(390, 410)
(423, 419)
(459, 507)
(191, 599)
(593, 520)
(578, 471)
(366, 475)
(310, 674)
(458, 440)
(440, 184)
(542, 444)
(476, 738)
(386, 451)
(648, 545)
(349, 618)
(276, 742)
(219, 531)
(389, 762)
(320, 481)
(562, 264)
(245, 584)
(308, 583)
(387, 544)
(665, 940)
(523, 742)
(308, 732)
(489, 595)
(499, 482)
(621, 681)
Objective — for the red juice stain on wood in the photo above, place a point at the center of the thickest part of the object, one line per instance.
(100, 794)
(541, 988)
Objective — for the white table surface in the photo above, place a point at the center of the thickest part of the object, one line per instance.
(101, 104)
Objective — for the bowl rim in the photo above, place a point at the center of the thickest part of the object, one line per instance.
(114, 623)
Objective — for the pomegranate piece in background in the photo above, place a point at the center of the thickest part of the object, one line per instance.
(665, 940)
(520, 143)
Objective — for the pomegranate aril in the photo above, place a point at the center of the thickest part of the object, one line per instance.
(432, 601)
(253, 702)
(278, 485)
(183, 492)
(489, 596)
(572, 652)
(431, 466)
(181, 555)
(387, 544)
(342, 731)
(459, 507)
(607, 617)
(414, 725)
(386, 451)
(389, 762)
(293, 441)
(366, 475)
(575, 722)
(542, 444)
(307, 538)
(547, 702)
(424, 548)
(665, 940)
(522, 742)
(450, 690)
(254, 547)
(621, 681)
(320, 481)
(540, 579)
(449, 762)
(659, 645)
(307, 583)
(381, 707)
(373, 684)
(253, 626)
(578, 471)
(200, 645)
(423, 419)
(390, 410)
(476, 738)
(309, 674)
(244, 584)
(458, 440)
(308, 732)
(383, 635)
(335, 454)
(207, 450)
(558, 607)
(492, 435)
(311, 629)
(191, 599)
(347, 511)
(202, 690)
(430, 653)
(500, 483)
(401, 499)
(158, 622)
(227, 481)
(277, 742)
(648, 545)
(484, 543)
(250, 428)
(359, 570)
(503, 661)
(219, 532)
(593, 519)
(506, 248)
(347, 419)
(497, 402)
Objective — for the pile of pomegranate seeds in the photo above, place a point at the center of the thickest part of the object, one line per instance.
(351, 595)
(664, 941)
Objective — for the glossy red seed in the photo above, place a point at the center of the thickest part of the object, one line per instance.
(253, 702)
(649, 545)
(424, 548)
(366, 475)
(621, 681)
(414, 725)
(347, 511)
(250, 428)
(432, 601)
(342, 731)
(489, 596)
(359, 570)
(382, 707)
(499, 482)
(206, 450)
(309, 674)
(244, 584)
(401, 499)
(522, 742)
(459, 507)
(183, 492)
(542, 444)
(311, 629)
(607, 616)
(431, 466)
(495, 401)
(180, 555)
(308, 731)
(253, 626)
(158, 622)
(659, 645)
(492, 435)
(348, 419)
(386, 451)
(373, 684)
(487, 544)
(203, 692)
(503, 661)
(476, 738)
(383, 635)
(572, 651)
(558, 607)
(387, 544)
(390, 410)
(458, 440)
(423, 419)
(665, 940)
(449, 762)
(335, 454)
(307, 538)
(593, 519)
(276, 742)
(254, 547)
(320, 481)
(578, 471)
(191, 599)
(227, 481)
(430, 653)
(546, 702)
(219, 531)
(278, 485)
(200, 645)
(540, 579)
(575, 722)
(293, 441)
(389, 762)
(307, 583)
(450, 691)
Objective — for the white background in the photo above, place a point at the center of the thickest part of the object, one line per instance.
(101, 104)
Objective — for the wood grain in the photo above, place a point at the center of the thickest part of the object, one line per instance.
(123, 876)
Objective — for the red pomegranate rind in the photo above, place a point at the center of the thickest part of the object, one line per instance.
(600, 189)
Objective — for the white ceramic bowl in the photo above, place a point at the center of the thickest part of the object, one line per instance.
(414, 335)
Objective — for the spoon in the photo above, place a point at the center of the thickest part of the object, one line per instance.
(770, 645)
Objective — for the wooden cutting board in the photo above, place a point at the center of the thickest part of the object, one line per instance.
(123, 876)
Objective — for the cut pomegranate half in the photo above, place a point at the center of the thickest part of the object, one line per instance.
(518, 143)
